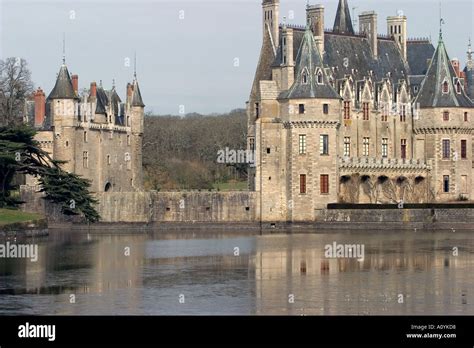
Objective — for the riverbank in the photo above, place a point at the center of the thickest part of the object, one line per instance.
(16, 223)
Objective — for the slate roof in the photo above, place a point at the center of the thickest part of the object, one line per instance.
(359, 56)
(309, 62)
(102, 101)
(343, 22)
(418, 54)
(440, 70)
(137, 96)
(63, 88)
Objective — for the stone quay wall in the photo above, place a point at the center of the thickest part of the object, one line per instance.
(239, 209)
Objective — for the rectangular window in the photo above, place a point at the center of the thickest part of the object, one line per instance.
(347, 146)
(366, 147)
(257, 110)
(303, 183)
(326, 109)
(85, 159)
(385, 147)
(128, 140)
(365, 110)
(324, 145)
(302, 144)
(446, 183)
(324, 184)
(446, 116)
(347, 110)
(464, 149)
(403, 148)
(85, 136)
(446, 149)
(301, 108)
(109, 160)
(403, 113)
(466, 118)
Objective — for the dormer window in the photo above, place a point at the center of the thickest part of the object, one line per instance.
(319, 77)
(458, 87)
(305, 77)
(445, 87)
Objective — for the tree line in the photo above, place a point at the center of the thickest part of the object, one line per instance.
(181, 152)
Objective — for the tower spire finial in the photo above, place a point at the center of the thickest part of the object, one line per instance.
(441, 22)
(470, 62)
(135, 66)
(64, 48)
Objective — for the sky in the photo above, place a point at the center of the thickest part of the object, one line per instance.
(193, 55)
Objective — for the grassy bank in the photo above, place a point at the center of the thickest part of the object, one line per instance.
(231, 186)
(10, 216)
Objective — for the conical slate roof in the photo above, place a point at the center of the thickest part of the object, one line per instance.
(63, 88)
(308, 65)
(440, 71)
(137, 96)
(343, 22)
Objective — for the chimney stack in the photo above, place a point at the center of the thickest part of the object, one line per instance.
(75, 83)
(288, 63)
(397, 29)
(129, 92)
(368, 26)
(315, 14)
(40, 107)
(93, 91)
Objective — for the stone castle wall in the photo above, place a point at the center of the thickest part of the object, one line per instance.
(146, 207)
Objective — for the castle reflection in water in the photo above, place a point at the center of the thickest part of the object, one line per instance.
(275, 274)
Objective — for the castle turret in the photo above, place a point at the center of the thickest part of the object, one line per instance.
(137, 109)
(63, 105)
(443, 134)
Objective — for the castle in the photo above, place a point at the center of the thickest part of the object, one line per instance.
(340, 116)
(97, 135)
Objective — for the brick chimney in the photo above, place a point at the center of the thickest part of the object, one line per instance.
(75, 83)
(40, 107)
(129, 92)
(455, 63)
(93, 90)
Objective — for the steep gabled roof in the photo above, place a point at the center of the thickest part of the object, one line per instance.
(440, 71)
(102, 101)
(63, 88)
(137, 96)
(343, 22)
(309, 63)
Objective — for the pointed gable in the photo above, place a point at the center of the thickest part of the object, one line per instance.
(343, 22)
(311, 80)
(438, 88)
(63, 88)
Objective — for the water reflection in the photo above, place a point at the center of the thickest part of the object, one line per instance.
(229, 273)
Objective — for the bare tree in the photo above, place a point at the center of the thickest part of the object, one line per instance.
(15, 87)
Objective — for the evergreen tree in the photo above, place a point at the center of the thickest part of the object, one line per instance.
(21, 154)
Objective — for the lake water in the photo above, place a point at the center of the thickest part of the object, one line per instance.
(227, 273)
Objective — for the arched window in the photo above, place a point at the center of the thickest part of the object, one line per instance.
(305, 77)
(319, 77)
(445, 87)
